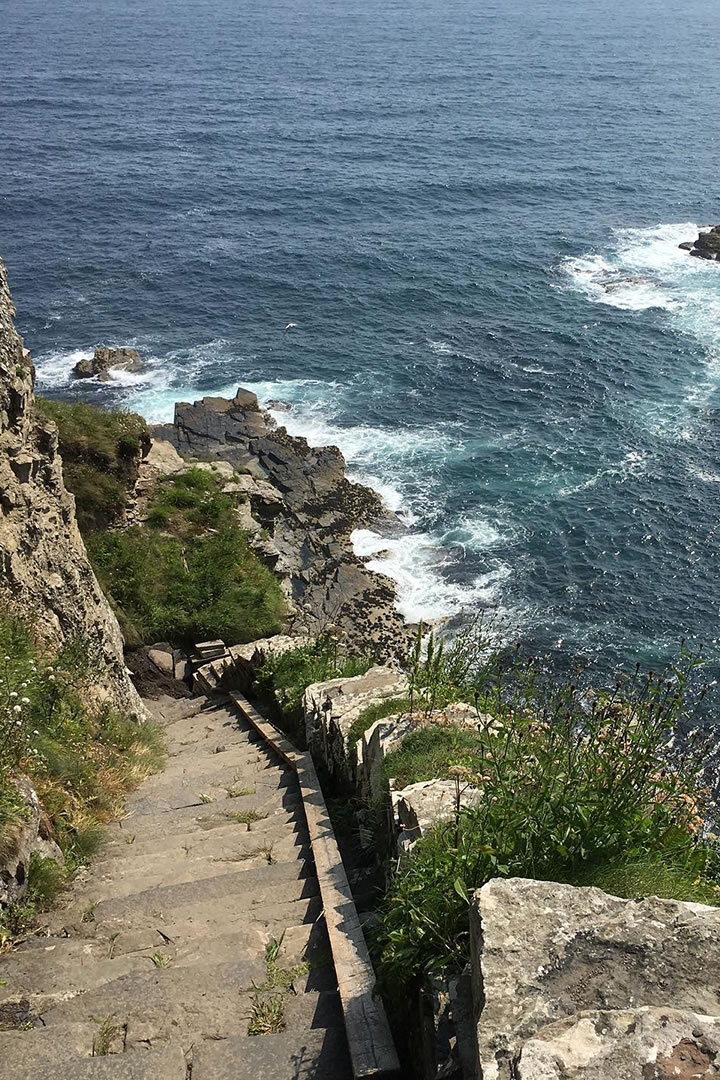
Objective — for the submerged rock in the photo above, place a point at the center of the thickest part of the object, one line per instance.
(104, 360)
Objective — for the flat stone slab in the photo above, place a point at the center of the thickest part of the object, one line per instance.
(542, 951)
(647, 1043)
(166, 1064)
(290, 1055)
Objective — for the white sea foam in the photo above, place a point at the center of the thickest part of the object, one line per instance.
(417, 564)
(644, 269)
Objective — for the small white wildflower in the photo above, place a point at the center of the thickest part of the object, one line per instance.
(17, 708)
(35, 731)
(7, 658)
(25, 700)
(13, 693)
(51, 678)
(50, 670)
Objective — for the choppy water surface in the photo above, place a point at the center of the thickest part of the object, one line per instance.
(472, 214)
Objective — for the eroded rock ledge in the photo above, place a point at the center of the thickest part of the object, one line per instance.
(301, 510)
(45, 575)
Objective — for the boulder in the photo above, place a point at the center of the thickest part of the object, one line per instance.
(687, 245)
(19, 842)
(542, 952)
(104, 360)
(163, 458)
(420, 806)
(162, 657)
(245, 399)
(331, 707)
(647, 1043)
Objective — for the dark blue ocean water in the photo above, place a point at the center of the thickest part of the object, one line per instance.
(470, 210)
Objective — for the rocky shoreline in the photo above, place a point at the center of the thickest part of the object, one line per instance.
(300, 510)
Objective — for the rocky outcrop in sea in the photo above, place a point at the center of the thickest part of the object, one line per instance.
(300, 510)
(707, 245)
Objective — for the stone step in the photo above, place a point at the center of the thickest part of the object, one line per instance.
(165, 709)
(311, 1055)
(44, 1049)
(64, 967)
(279, 822)
(280, 881)
(230, 783)
(203, 816)
(179, 1005)
(165, 1064)
(127, 877)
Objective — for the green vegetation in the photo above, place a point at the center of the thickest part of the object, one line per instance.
(100, 451)
(268, 1015)
(576, 786)
(284, 679)
(366, 719)
(189, 574)
(80, 761)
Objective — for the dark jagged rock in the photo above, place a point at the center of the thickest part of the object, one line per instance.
(707, 245)
(301, 497)
(104, 360)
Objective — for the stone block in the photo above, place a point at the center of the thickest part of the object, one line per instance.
(542, 952)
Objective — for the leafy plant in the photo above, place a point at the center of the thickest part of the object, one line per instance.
(573, 785)
(268, 1015)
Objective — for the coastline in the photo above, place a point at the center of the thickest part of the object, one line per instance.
(301, 513)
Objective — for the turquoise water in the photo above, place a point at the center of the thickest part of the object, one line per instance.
(471, 212)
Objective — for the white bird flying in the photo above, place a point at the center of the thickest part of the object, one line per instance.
(290, 326)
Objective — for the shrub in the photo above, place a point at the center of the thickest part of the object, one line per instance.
(185, 590)
(284, 679)
(580, 787)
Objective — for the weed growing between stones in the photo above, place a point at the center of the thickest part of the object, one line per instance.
(109, 1034)
(576, 785)
(245, 817)
(268, 1015)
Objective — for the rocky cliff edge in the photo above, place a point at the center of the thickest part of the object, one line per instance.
(45, 576)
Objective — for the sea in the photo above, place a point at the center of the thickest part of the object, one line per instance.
(470, 214)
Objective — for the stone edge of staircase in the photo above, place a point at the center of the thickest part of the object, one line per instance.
(371, 1046)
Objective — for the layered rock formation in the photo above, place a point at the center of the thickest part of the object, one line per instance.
(302, 510)
(45, 575)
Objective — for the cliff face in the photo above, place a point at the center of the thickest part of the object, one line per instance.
(45, 575)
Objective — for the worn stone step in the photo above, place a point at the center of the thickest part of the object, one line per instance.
(203, 922)
(319, 1054)
(127, 877)
(231, 783)
(275, 822)
(165, 709)
(45, 1049)
(166, 1064)
(171, 1005)
(58, 970)
(289, 880)
(203, 816)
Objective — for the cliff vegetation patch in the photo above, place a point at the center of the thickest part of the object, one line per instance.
(571, 784)
(189, 572)
(79, 761)
(101, 450)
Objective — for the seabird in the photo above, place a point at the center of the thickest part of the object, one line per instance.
(290, 326)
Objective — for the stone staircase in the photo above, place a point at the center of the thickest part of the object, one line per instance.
(199, 924)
